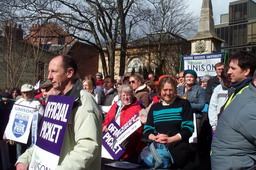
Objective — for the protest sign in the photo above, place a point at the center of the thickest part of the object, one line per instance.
(202, 64)
(51, 132)
(110, 149)
(112, 139)
(129, 127)
(18, 127)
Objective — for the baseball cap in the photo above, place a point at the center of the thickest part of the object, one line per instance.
(27, 88)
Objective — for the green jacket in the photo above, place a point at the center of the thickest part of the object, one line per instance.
(81, 148)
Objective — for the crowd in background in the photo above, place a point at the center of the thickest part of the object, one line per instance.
(165, 106)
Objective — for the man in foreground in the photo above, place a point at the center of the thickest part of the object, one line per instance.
(81, 148)
(234, 143)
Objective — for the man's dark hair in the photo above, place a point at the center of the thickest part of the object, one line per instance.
(68, 62)
(245, 60)
(111, 79)
(254, 75)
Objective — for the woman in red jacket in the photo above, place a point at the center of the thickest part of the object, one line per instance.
(122, 111)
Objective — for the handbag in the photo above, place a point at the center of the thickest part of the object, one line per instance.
(156, 155)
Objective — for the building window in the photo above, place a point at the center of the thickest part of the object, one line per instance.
(223, 33)
(238, 35)
(251, 33)
(238, 13)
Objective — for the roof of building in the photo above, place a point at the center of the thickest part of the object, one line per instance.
(151, 39)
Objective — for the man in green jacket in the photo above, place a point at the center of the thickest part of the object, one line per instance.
(81, 148)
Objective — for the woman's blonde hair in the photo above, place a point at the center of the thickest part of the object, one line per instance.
(90, 85)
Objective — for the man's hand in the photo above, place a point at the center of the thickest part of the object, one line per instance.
(21, 166)
(11, 142)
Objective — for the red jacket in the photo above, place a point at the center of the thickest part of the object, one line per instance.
(134, 146)
(41, 99)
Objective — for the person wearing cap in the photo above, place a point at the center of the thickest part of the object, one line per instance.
(6, 105)
(45, 87)
(193, 93)
(28, 100)
(99, 79)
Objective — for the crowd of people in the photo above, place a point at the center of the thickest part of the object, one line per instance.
(219, 110)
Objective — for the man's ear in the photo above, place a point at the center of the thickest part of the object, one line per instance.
(70, 72)
(247, 72)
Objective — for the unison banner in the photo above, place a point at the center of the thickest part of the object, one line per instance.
(51, 133)
(202, 64)
(19, 124)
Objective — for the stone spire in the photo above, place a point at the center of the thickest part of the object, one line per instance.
(205, 41)
(206, 23)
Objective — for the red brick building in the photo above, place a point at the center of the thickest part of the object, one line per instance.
(86, 57)
(53, 38)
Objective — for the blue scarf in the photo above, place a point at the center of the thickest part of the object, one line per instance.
(236, 87)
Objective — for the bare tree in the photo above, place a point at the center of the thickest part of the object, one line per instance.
(20, 62)
(168, 23)
(100, 23)
(108, 24)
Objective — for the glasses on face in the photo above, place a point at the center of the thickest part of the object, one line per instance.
(132, 82)
(126, 96)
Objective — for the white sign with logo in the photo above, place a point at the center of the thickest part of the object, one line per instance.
(202, 64)
(18, 127)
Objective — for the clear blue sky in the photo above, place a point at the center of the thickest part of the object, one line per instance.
(219, 7)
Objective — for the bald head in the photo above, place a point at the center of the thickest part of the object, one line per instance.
(62, 71)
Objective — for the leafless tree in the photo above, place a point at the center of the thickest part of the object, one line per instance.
(107, 24)
(101, 23)
(20, 61)
(169, 22)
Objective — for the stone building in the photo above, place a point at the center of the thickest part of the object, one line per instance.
(157, 53)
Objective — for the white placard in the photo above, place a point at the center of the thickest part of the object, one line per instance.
(40, 156)
(18, 127)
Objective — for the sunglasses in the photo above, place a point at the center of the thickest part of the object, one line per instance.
(131, 82)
